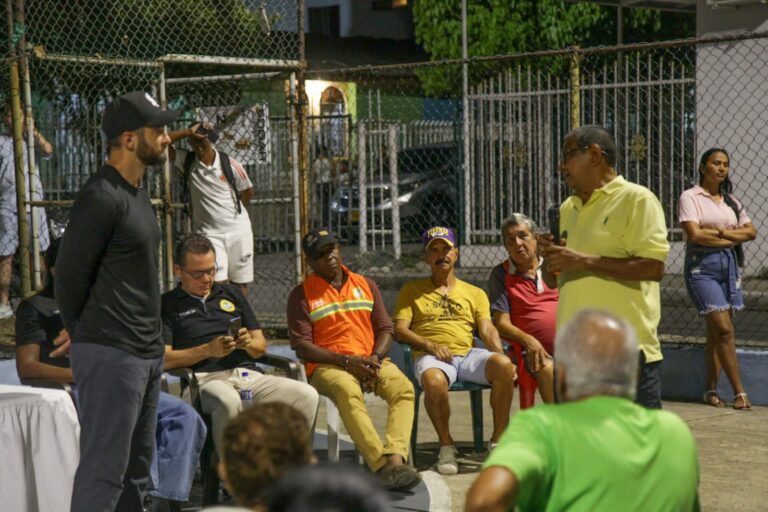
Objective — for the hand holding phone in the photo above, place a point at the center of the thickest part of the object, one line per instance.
(235, 324)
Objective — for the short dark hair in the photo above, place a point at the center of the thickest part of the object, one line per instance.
(194, 244)
(261, 445)
(328, 488)
(593, 134)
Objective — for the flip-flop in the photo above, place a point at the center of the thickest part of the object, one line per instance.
(717, 402)
(744, 400)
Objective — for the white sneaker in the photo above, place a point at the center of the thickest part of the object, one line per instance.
(5, 311)
(446, 461)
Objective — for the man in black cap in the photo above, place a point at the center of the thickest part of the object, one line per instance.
(109, 297)
(339, 327)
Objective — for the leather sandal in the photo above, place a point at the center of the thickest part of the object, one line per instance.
(744, 400)
(717, 402)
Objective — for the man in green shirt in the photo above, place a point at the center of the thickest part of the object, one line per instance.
(597, 450)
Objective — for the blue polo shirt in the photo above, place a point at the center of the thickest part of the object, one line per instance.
(189, 321)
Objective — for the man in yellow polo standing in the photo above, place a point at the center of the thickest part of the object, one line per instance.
(614, 247)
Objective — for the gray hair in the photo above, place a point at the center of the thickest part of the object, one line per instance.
(515, 219)
(600, 355)
(593, 134)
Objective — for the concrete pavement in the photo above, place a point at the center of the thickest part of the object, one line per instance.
(733, 451)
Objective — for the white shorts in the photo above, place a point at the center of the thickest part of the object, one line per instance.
(234, 255)
(468, 368)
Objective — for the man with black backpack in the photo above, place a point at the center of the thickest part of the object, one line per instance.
(217, 190)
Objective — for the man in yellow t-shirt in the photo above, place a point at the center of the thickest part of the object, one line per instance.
(438, 316)
(615, 245)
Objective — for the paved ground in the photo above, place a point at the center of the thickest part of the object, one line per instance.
(733, 451)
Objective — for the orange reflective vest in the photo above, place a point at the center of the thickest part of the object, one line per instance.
(341, 319)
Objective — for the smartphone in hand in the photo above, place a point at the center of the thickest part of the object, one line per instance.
(553, 216)
(235, 324)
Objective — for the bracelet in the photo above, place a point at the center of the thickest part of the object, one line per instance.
(346, 363)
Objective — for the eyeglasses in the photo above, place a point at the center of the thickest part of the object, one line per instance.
(567, 155)
(198, 274)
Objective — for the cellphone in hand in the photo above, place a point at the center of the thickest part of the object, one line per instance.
(553, 216)
(234, 326)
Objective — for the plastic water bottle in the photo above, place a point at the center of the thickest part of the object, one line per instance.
(244, 383)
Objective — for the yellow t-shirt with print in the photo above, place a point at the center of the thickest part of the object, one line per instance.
(448, 319)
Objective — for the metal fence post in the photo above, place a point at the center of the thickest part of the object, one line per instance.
(296, 181)
(18, 153)
(37, 272)
(575, 89)
(394, 195)
(168, 206)
(362, 193)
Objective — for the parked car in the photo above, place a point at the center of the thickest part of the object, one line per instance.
(428, 194)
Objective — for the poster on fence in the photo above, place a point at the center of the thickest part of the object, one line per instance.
(243, 131)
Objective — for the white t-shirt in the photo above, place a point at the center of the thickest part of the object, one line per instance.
(213, 201)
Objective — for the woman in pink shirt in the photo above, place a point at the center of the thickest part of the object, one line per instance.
(715, 223)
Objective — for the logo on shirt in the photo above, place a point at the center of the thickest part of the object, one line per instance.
(187, 313)
(358, 293)
(316, 303)
(226, 305)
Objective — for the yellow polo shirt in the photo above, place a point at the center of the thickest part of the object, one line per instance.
(620, 220)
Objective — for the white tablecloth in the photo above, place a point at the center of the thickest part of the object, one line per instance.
(39, 449)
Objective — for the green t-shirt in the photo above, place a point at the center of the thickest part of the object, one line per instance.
(600, 454)
(450, 319)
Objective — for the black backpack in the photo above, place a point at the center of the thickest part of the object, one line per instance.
(187, 173)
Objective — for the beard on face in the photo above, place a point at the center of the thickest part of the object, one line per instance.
(147, 155)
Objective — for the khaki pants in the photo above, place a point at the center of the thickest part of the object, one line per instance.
(220, 398)
(345, 391)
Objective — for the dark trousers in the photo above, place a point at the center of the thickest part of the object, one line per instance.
(648, 384)
(118, 395)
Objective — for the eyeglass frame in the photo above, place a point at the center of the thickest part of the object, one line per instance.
(567, 155)
(199, 274)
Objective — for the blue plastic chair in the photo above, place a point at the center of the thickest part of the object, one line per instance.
(401, 355)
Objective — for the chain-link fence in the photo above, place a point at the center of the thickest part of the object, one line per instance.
(230, 63)
(415, 160)
(386, 151)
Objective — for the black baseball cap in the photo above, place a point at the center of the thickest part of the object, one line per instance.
(315, 239)
(132, 111)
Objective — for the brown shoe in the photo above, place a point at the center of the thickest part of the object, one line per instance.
(399, 478)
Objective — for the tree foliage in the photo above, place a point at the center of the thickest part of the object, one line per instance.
(502, 27)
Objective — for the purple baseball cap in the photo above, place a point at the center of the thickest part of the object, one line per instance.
(439, 232)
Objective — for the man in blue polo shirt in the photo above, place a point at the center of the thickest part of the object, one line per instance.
(196, 318)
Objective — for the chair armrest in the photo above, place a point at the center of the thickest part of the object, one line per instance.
(187, 379)
(291, 367)
(49, 384)
(408, 368)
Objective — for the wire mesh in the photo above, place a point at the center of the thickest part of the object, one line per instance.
(249, 115)
(414, 162)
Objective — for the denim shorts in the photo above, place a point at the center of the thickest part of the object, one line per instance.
(713, 279)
